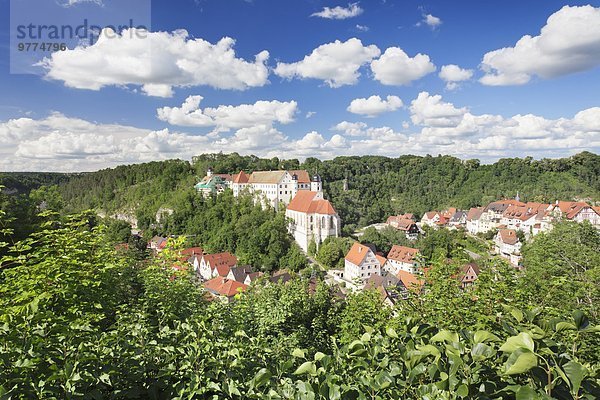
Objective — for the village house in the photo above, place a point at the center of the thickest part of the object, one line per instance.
(223, 288)
(239, 273)
(213, 265)
(458, 219)
(469, 275)
(410, 281)
(392, 219)
(508, 246)
(252, 277)
(431, 218)
(360, 263)
(157, 243)
(479, 221)
(531, 219)
(437, 219)
(312, 218)
(401, 258)
(280, 277)
(389, 287)
(272, 188)
(577, 211)
(495, 209)
(407, 225)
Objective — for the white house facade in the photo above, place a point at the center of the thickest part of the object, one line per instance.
(401, 258)
(508, 246)
(361, 263)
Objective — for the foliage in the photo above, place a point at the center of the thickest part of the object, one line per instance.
(562, 268)
(81, 320)
(294, 260)
(384, 239)
(332, 252)
(257, 237)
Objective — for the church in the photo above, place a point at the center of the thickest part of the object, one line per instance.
(312, 217)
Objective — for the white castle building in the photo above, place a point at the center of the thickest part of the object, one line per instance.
(275, 187)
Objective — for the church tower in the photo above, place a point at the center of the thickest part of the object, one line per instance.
(315, 184)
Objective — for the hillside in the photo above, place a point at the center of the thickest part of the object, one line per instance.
(378, 186)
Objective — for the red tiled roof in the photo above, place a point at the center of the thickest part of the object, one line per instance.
(431, 214)
(302, 175)
(224, 287)
(442, 221)
(400, 222)
(305, 202)
(475, 213)
(242, 177)
(508, 236)
(381, 259)
(191, 251)
(410, 281)
(357, 253)
(572, 208)
(221, 261)
(402, 254)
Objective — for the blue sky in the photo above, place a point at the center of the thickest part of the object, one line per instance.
(538, 96)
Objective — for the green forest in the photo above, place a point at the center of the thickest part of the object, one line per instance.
(82, 318)
(378, 186)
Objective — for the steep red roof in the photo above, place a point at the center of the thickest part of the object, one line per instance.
(357, 253)
(224, 287)
(242, 177)
(402, 254)
(305, 202)
(381, 259)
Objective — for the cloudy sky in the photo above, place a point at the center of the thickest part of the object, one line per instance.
(471, 78)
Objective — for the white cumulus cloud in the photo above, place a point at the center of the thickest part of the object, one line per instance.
(395, 67)
(568, 43)
(336, 63)
(432, 111)
(226, 117)
(453, 74)
(374, 105)
(158, 61)
(339, 12)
